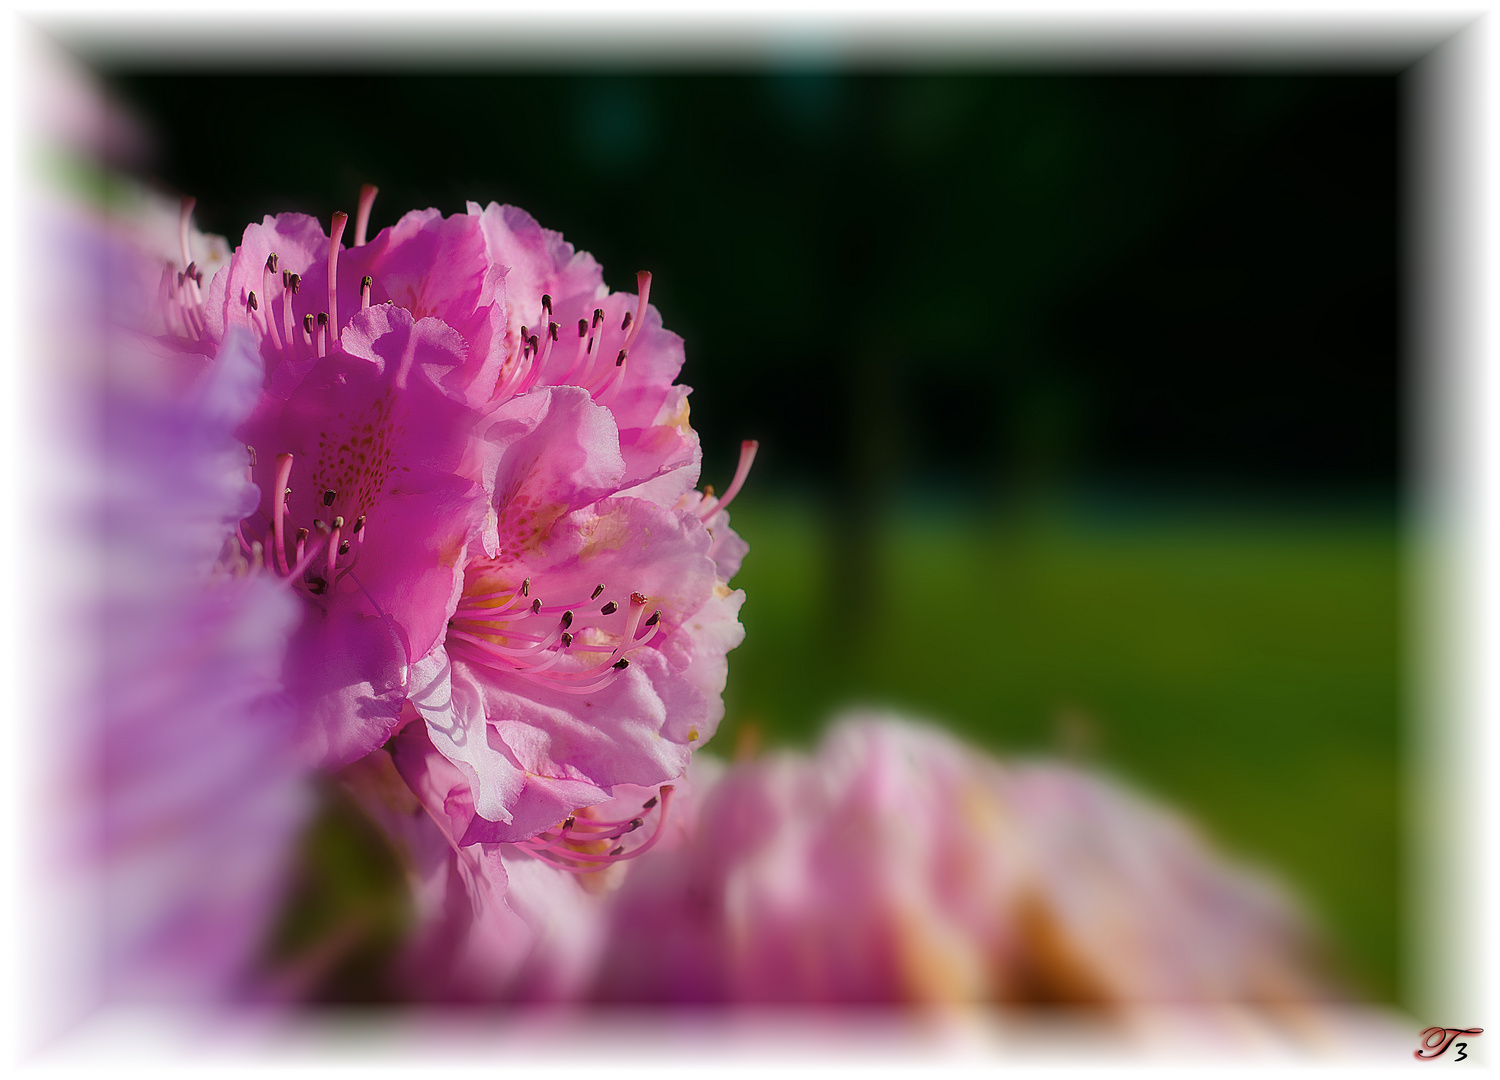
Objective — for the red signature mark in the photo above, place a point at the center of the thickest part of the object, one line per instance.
(1437, 1040)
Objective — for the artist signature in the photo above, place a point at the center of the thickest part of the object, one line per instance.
(1436, 1041)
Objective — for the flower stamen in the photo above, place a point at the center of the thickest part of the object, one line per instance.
(268, 275)
(562, 846)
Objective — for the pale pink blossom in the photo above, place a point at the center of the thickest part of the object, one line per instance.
(896, 865)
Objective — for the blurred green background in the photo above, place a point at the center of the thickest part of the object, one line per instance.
(1079, 395)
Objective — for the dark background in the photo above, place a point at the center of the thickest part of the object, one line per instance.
(965, 279)
(1079, 396)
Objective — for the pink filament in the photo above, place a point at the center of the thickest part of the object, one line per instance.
(266, 277)
(548, 852)
(333, 552)
(286, 317)
(278, 499)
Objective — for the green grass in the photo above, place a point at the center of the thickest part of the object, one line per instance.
(1248, 671)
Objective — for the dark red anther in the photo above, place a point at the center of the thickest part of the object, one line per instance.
(609, 608)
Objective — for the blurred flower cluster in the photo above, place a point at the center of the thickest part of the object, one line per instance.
(413, 522)
(451, 521)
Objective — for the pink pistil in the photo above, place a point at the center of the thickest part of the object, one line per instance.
(184, 223)
(340, 219)
(367, 195)
(304, 558)
(710, 506)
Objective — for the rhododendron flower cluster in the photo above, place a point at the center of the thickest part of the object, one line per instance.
(470, 481)
(483, 517)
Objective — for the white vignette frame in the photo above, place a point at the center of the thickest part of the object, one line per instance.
(1450, 61)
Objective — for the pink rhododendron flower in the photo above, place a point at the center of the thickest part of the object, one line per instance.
(589, 651)
(566, 328)
(494, 537)
(419, 473)
(897, 865)
(497, 921)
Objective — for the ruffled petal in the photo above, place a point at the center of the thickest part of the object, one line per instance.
(348, 671)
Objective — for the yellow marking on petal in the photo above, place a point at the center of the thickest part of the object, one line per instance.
(604, 535)
(693, 733)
